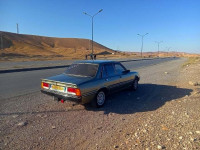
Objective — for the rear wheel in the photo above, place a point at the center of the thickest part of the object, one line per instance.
(100, 99)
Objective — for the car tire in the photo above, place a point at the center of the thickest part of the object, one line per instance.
(99, 99)
(134, 85)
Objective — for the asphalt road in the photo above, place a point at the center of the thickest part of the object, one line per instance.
(30, 64)
(35, 64)
(38, 64)
(20, 83)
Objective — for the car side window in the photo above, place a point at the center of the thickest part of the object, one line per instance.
(119, 69)
(103, 72)
(109, 68)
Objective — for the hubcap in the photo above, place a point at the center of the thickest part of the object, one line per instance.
(100, 98)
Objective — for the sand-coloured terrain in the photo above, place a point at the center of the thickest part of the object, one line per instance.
(22, 47)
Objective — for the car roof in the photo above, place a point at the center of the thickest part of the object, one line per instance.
(97, 61)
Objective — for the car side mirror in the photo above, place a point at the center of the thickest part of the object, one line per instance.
(126, 71)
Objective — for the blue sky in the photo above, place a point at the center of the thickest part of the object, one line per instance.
(175, 22)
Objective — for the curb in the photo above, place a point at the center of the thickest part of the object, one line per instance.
(31, 69)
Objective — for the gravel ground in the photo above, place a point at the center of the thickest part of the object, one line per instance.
(162, 114)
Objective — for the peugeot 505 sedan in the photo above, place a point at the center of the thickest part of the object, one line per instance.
(90, 81)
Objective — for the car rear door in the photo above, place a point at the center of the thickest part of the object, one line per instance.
(112, 80)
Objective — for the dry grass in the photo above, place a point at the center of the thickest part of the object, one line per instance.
(191, 60)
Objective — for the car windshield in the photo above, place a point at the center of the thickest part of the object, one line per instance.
(88, 70)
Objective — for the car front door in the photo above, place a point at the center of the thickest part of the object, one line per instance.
(125, 78)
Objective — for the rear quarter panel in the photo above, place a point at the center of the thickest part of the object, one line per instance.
(90, 89)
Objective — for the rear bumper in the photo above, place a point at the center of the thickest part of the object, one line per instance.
(64, 97)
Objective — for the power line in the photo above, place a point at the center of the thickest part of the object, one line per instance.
(1, 41)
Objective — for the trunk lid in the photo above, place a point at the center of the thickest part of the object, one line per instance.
(68, 79)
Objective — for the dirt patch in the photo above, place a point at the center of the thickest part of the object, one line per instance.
(191, 60)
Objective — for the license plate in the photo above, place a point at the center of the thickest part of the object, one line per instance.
(58, 88)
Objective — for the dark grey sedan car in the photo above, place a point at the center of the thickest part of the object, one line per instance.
(90, 81)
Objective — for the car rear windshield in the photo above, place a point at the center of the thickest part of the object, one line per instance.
(88, 70)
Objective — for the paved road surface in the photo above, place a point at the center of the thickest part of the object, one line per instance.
(20, 83)
(29, 64)
(38, 64)
(35, 64)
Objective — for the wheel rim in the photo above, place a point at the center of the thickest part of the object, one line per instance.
(135, 84)
(101, 98)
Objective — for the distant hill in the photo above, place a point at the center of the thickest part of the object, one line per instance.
(40, 46)
(22, 47)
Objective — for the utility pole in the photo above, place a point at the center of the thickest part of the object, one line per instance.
(168, 51)
(17, 29)
(142, 41)
(92, 27)
(158, 42)
(1, 41)
(89, 44)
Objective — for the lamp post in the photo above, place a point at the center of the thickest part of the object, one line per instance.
(17, 28)
(142, 41)
(158, 42)
(168, 48)
(92, 16)
(1, 41)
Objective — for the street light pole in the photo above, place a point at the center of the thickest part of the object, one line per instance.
(92, 16)
(168, 51)
(142, 41)
(1, 41)
(158, 42)
(92, 38)
(17, 29)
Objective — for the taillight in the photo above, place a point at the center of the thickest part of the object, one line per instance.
(76, 91)
(44, 85)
